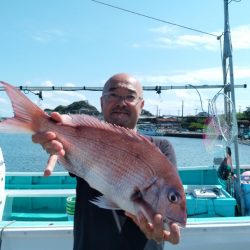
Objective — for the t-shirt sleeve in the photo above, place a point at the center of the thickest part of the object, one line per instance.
(166, 148)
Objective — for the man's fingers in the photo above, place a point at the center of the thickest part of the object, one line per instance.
(157, 234)
(174, 235)
(56, 116)
(60, 118)
(131, 216)
(54, 147)
(156, 230)
(50, 165)
(142, 222)
(43, 137)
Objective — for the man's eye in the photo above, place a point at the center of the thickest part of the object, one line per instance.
(113, 95)
(130, 98)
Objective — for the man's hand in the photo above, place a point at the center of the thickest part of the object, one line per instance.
(49, 142)
(155, 230)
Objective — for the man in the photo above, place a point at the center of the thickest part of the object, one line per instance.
(97, 228)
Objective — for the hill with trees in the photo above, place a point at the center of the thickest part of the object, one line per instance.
(80, 107)
(83, 107)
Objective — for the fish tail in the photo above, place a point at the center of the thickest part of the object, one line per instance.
(27, 115)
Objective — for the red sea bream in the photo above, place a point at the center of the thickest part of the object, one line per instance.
(129, 170)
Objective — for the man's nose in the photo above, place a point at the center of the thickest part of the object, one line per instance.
(122, 101)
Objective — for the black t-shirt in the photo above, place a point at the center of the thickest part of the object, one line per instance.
(96, 228)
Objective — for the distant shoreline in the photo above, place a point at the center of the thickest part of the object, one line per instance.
(186, 134)
(199, 136)
(244, 142)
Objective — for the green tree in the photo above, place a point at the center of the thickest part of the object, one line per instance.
(246, 113)
(193, 126)
(81, 107)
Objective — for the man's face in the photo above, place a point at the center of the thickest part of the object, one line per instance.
(122, 102)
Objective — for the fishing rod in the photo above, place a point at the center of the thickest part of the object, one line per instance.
(157, 88)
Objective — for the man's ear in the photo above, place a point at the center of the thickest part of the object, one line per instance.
(101, 101)
(142, 104)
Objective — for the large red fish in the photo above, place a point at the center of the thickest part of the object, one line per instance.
(129, 170)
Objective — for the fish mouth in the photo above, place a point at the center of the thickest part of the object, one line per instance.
(180, 223)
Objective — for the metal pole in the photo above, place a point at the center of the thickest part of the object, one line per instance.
(145, 88)
(227, 53)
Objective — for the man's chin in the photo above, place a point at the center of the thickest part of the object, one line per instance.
(121, 119)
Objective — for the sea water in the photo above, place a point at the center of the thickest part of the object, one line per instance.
(21, 154)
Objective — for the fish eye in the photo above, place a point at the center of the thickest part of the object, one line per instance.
(173, 197)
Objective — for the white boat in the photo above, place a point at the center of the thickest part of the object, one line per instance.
(33, 212)
(147, 131)
(150, 131)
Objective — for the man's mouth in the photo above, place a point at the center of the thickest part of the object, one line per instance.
(120, 112)
(120, 116)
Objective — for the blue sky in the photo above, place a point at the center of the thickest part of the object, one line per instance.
(73, 43)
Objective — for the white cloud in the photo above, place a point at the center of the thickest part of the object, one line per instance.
(185, 77)
(200, 76)
(47, 83)
(170, 39)
(49, 35)
(242, 72)
(163, 29)
(177, 41)
(241, 37)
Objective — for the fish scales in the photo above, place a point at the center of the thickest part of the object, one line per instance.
(105, 147)
(118, 163)
(103, 169)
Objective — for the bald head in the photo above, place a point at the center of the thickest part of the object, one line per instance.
(123, 80)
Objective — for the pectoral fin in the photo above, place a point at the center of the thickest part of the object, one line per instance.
(143, 208)
(105, 203)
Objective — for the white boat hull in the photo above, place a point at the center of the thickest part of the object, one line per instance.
(37, 238)
(229, 235)
(214, 235)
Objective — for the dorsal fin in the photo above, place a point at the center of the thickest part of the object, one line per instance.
(90, 121)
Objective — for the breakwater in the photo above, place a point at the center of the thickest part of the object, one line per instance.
(185, 135)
